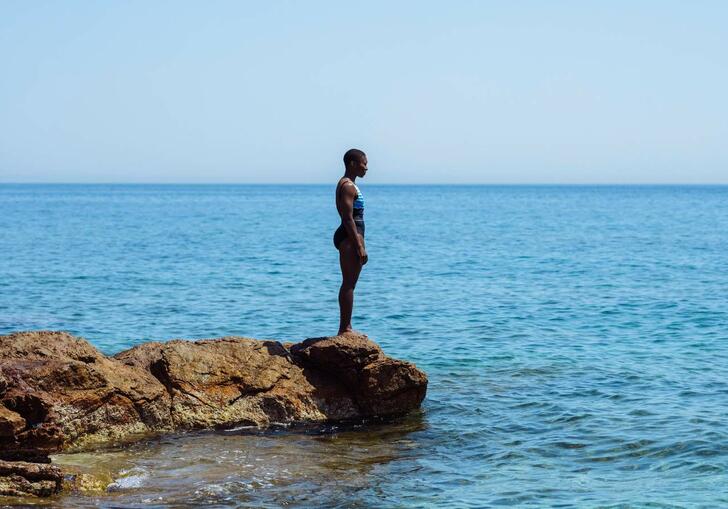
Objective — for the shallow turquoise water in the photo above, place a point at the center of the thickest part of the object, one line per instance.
(576, 338)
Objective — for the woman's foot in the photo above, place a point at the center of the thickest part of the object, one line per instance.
(350, 332)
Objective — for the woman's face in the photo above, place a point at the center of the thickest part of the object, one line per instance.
(360, 167)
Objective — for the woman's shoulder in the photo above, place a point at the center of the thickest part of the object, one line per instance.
(347, 184)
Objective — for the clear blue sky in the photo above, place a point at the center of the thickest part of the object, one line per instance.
(434, 92)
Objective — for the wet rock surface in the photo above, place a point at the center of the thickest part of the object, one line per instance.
(21, 479)
(58, 393)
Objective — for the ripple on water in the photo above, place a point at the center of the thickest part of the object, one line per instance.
(129, 479)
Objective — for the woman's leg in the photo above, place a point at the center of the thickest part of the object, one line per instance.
(350, 269)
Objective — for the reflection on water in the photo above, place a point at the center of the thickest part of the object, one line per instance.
(328, 466)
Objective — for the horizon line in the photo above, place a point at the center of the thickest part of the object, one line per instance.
(494, 184)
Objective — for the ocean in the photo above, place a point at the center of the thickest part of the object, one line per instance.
(575, 337)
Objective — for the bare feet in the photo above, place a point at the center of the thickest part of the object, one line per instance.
(351, 332)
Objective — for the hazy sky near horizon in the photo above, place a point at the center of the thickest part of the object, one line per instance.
(434, 92)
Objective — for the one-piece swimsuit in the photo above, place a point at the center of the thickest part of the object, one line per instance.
(358, 213)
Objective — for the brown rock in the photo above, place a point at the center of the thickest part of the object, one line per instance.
(71, 396)
(342, 356)
(388, 386)
(60, 393)
(381, 385)
(19, 479)
(10, 422)
(224, 382)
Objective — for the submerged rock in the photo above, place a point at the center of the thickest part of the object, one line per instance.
(58, 393)
(89, 484)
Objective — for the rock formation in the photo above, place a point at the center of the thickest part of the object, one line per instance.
(58, 393)
(20, 479)
(379, 384)
(61, 393)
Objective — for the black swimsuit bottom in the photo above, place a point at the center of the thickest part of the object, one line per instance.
(340, 234)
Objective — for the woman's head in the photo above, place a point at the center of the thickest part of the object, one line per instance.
(355, 162)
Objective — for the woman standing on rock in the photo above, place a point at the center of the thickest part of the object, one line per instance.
(349, 237)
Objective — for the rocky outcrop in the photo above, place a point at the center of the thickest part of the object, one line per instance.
(235, 381)
(21, 479)
(61, 393)
(379, 384)
(11, 423)
(58, 393)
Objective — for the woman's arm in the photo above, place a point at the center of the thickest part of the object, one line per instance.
(348, 195)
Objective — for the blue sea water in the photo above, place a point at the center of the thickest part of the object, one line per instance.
(575, 338)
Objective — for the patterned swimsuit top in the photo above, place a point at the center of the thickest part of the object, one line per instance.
(358, 201)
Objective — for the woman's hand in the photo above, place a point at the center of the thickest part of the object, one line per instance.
(363, 256)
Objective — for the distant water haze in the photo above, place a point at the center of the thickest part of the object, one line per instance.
(471, 92)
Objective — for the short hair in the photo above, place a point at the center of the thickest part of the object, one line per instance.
(351, 155)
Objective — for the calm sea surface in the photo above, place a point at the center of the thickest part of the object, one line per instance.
(576, 338)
